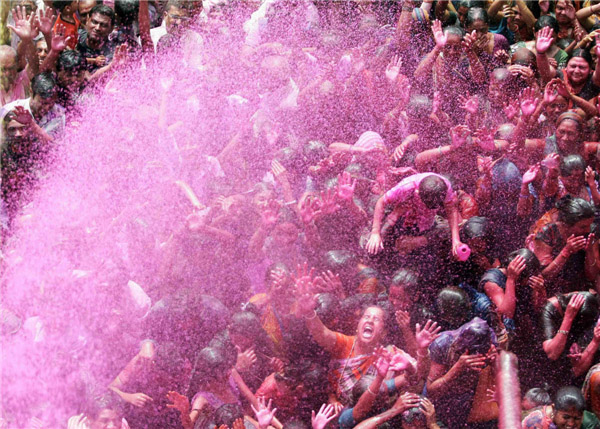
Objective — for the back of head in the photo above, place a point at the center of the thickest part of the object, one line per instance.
(532, 264)
(70, 60)
(44, 85)
(537, 396)
(571, 163)
(476, 14)
(546, 21)
(432, 191)
(476, 227)
(60, 5)
(474, 337)
(454, 305)
(328, 308)
(569, 398)
(406, 278)
(227, 414)
(572, 210)
(126, 11)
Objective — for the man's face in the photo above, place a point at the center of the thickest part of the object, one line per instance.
(41, 106)
(176, 20)
(98, 27)
(42, 50)
(16, 135)
(84, 8)
(71, 80)
(107, 419)
(570, 419)
(371, 326)
(8, 70)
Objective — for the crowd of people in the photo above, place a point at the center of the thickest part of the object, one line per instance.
(397, 191)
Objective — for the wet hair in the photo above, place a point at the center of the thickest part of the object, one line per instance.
(477, 227)
(408, 279)
(474, 337)
(572, 210)
(127, 11)
(432, 191)
(454, 302)
(60, 5)
(44, 85)
(546, 21)
(70, 60)
(476, 14)
(571, 163)
(342, 262)
(532, 264)
(538, 396)
(104, 10)
(226, 414)
(413, 415)
(582, 53)
(454, 30)
(211, 363)
(247, 324)
(569, 397)
(419, 106)
(108, 400)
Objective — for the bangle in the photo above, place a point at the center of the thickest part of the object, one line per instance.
(562, 331)
(370, 391)
(314, 316)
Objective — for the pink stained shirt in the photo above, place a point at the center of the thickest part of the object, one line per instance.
(406, 194)
(19, 90)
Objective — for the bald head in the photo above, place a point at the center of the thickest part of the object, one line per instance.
(8, 67)
(7, 52)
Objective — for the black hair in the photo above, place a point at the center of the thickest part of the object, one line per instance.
(587, 316)
(532, 263)
(564, 43)
(546, 21)
(70, 60)
(296, 424)
(127, 11)
(569, 397)
(344, 263)
(408, 279)
(582, 53)
(413, 415)
(475, 337)
(477, 227)
(419, 106)
(432, 191)
(44, 85)
(328, 308)
(226, 414)
(104, 10)
(476, 14)
(570, 163)
(60, 5)
(538, 396)
(246, 323)
(572, 210)
(453, 301)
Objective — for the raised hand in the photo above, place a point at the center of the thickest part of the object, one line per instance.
(23, 116)
(59, 41)
(544, 40)
(511, 108)
(529, 101)
(502, 56)
(429, 411)
(516, 267)
(328, 282)
(468, 362)
(309, 208)
(328, 202)
(276, 364)
(264, 414)
(277, 169)
(138, 399)
(245, 360)
(403, 319)
(469, 42)
(426, 335)
(590, 177)
(179, 402)
(550, 93)
(531, 174)
(375, 244)
(438, 34)
(304, 290)
(552, 161)
(238, 424)
(561, 88)
(24, 26)
(575, 244)
(326, 414)
(459, 135)
(399, 362)
(393, 69)
(398, 153)
(537, 283)
(485, 139)
(470, 104)
(270, 214)
(383, 361)
(45, 20)
(120, 55)
(406, 401)
(575, 303)
(346, 186)
(76, 422)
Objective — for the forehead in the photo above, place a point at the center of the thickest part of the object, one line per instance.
(8, 59)
(578, 61)
(103, 19)
(176, 10)
(373, 311)
(14, 125)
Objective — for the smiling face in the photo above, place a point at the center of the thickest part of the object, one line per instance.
(578, 70)
(371, 327)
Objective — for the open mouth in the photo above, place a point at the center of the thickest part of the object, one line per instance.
(368, 331)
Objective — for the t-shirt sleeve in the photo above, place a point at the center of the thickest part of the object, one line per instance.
(399, 193)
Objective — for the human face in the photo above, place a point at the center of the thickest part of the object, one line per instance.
(567, 134)
(16, 135)
(371, 326)
(453, 48)
(581, 228)
(462, 14)
(399, 298)
(480, 28)
(8, 70)
(71, 80)
(561, 12)
(569, 419)
(42, 50)
(573, 182)
(578, 70)
(556, 108)
(175, 20)
(107, 419)
(84, 8)
(98, 27)
(41, 106)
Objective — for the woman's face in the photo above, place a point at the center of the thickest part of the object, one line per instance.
(581, 228)
(574, 181)
(567, 134)
(453, 48)
(399, 298)
(556, 108)
(578, 70)
(569, 419)
(480, 27)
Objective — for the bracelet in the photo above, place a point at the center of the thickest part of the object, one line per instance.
(562, 331)
(311, 317)
(370, 391)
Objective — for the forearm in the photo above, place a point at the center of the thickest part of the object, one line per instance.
(556, 265)
(378, 420)
(550, 185)
(426, 66)
(556, 345)
(509, 301)
(452, 214)
(423, 364)
(547, 73)
(524, 205)
(49, 63)
(367, 399)
(483, 193)
(495, 7)
(526, 15)
(476, 68)
(255, 246)
(587, 358)
(144, 28)
(431, 156)
(26, 50)
(378, 216)
(323, 336)
(589, 109)
(443, 384)
(39, 131)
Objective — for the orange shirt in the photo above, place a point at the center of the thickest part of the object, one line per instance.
(70, 30)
